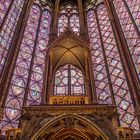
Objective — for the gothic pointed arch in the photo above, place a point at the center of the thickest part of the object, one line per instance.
(68, 17)
(69, 125)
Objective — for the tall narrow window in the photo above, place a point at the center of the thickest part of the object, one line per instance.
(68, 17)
(38, 60)
(130, 33)
(100, 24)
(9, 27)
(118, 78)
(27, 80)
(98, 62)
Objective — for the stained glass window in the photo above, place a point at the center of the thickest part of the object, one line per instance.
(26, 83)
(98, 23)
(69, 80)
(130, 33)
(4, 6)
(118, 78)
(36, 79)
(7, 31)
(98, 61)
(134, 7)
(68, 17)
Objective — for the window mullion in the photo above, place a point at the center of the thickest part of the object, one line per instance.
(69, 80)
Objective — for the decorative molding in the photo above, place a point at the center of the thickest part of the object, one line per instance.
(59, 100)
(78, 109)
(53, 118)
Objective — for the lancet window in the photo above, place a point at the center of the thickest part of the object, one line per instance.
(129, 17)
(27, 79)
(68, 17)
(109, 75)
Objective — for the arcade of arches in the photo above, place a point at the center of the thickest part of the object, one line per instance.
(69, 69)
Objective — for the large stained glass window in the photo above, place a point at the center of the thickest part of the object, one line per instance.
(27, 80)
(107, 65)
(8, 29)
(133, 41)
(98, 60)
(68, 17)
(69, 80)
(36, 78)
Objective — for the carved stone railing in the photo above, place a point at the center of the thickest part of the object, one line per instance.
(68, 100)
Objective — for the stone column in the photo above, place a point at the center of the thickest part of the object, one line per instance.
(81, 16)
(45, 80)
(54, 27)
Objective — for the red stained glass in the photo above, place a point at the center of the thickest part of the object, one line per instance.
(63, 22)
(36, 80)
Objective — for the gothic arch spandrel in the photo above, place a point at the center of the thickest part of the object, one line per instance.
(69, 124)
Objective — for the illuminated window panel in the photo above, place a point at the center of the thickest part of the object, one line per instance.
(29, 68)
(98, 62)
(7, 32)
(134, 6)
(68, 17)
(63, 23)
(36, 84)
(77, 81)
(130, 34)
(74, 23)
(61, 81)
(119, 83)
(69, 80)
(4, 6)
(16, 92)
